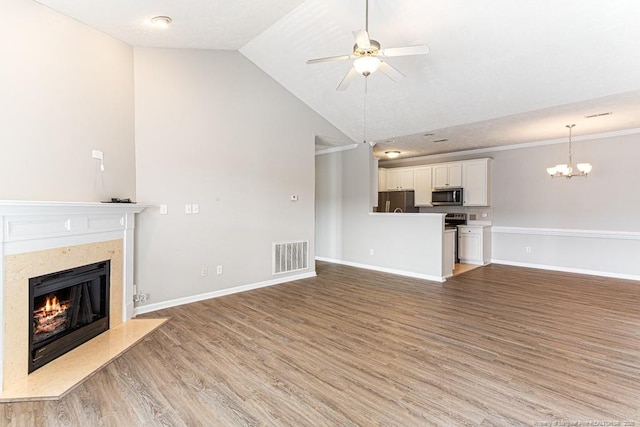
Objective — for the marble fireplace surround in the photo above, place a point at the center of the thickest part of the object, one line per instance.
(38, 238)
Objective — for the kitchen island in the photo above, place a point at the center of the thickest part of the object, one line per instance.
(408, 244)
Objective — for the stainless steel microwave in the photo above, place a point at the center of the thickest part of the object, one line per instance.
(446, 197)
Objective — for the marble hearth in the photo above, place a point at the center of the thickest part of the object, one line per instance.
(37, 238)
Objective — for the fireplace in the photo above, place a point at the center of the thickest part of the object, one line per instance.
(68, 308)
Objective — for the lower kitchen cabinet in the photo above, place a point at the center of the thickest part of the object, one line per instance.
(474, 244)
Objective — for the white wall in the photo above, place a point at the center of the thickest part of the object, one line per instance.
(579, 224)
(213, 129)
(407, 244)
(66, 89)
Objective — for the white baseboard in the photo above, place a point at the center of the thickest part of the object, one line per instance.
(216, 294)
(568, 269)
(384, 269)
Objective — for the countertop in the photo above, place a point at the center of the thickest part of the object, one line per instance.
(480, 223)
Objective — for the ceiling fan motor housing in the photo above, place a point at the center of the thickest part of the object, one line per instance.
(371, 50)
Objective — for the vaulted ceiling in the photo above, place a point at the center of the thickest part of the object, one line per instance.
(499, 72)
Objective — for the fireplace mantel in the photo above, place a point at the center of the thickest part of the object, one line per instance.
(29, 226)
(33, 226)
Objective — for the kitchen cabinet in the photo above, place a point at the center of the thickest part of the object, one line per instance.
(474, 176)
(474, 244)
(400, 179)
(382, 179)
(476, 182)
(447, 175)
(422, 185)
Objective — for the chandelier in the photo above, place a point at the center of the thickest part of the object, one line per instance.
(566, 170)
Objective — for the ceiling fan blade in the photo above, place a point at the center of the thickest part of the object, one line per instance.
(391, 72)
(362, 39)
(328, 59)
(405, 51)
(347, 79)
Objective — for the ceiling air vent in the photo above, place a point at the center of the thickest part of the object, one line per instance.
(440, 140)
(598, 115)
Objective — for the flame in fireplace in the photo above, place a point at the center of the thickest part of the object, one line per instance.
(51, 316)
(52, 305)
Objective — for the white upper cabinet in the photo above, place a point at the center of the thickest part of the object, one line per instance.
(400, 179)
(422, 185)
(382, 179)
(447, 175)
(476, 182)
(474, 176)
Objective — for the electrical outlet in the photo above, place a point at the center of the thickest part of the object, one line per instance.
(204, 272)
(187, 209)
(528, 249)
(164, 210)
(195, 208)
(219, 269)
(370, 251)
(141, 298)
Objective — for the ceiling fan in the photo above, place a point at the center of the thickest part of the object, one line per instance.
(369, 57)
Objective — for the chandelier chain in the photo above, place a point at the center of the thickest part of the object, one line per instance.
(570, 154)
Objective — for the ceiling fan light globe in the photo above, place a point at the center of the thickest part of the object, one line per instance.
(366, 65)
(552, 171)
(562, 168)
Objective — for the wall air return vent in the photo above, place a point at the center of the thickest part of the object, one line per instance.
(290, 256)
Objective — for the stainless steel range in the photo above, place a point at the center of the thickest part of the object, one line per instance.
(453, 220)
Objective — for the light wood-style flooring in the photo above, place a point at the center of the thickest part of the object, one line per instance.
(460, 268)
(497, 345)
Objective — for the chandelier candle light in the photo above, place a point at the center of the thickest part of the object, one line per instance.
(566, 170)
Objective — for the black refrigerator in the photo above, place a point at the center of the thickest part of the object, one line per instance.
(396, 201)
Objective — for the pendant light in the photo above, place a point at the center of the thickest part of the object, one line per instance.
(566, 170)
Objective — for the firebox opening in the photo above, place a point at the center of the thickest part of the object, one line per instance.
(69, 308)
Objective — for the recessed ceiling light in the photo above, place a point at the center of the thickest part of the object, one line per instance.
(161, 21)
(392, 154)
